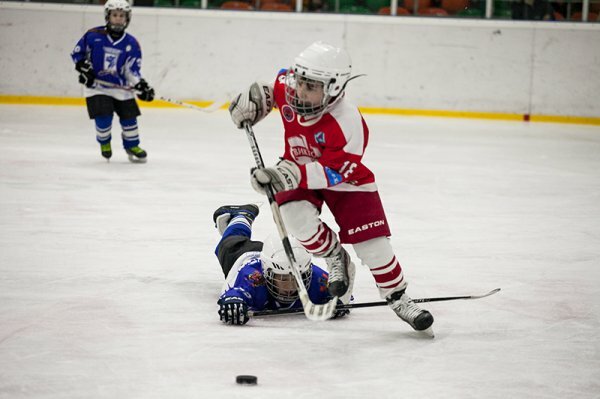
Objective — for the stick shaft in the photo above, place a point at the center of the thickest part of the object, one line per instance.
(370, 304)
(312, 311)
(210, 108)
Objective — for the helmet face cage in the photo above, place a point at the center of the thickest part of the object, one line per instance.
(114, 5)
(275, 280)
(277, 268)
(300, 105)
(320, 66)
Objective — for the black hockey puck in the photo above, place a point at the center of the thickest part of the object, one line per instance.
(246, 379)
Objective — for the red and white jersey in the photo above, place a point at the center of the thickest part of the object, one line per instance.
(328, 150)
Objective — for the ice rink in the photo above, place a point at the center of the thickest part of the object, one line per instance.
(108, 281)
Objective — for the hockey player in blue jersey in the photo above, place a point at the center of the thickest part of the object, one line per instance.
(109, 54)
(258, 274)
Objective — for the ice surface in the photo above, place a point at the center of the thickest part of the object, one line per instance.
(108, 280)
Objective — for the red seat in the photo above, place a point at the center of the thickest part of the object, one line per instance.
(592, 16)
(236, 5)
(434, 11)
(273, 6)
(409, 4)
(454, 6)
(388, 11)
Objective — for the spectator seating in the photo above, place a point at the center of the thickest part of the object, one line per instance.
(409, 4)
(577, 16)
(454, 6)
(275, 6)
(236, 5)
(433, 12)
(163, 3)
(375, 5)
(354, 9)
(388, 11)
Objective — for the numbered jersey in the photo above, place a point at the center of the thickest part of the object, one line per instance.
(117, 62)
(329, 149)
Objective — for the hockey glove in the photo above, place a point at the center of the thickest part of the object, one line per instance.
(233, 310)
(144, 91)
(86, 73)
(252, 105)
(282, 177)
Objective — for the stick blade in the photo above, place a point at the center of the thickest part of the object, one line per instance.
(492, 292)
(318, 312)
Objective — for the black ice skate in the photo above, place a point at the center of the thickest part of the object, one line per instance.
(338, 264)
(224, 214)
(136, 154)
(106, 150)
(407, 310)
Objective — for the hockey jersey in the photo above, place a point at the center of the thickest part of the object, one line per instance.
(117, 62)
(246, 280)
(329, 149)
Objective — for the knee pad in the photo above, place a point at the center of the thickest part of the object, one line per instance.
(301, 218)
(374, 252)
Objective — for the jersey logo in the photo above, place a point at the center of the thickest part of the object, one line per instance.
(287, 112)
(256, 279)
(111, 56)
(320, 137)
(333, 177)
(301, 151)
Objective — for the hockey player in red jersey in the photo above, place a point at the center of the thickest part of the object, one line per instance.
(325, 140)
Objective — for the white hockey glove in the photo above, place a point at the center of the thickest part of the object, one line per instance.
(252, 105)
(284, 176)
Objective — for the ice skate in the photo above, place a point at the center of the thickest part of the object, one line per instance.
(136, 154)
(339, 264)
(106, 151)
(407, 310)
(224, 214)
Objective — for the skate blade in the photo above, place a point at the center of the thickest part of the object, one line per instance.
(133, 159)
(428, 332)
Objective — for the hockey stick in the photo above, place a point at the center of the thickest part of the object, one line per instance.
(312, 311)
(211, 108)
(277, 312)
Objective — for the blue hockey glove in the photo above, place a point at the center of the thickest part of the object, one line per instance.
(144, 91)
(86, 73)
(233, 310)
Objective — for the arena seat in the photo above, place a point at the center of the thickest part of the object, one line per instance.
(236, 5)
(577, 16)
(454, 6)
(409, 4)
(388, 11)
(275, 6)
(433, 12)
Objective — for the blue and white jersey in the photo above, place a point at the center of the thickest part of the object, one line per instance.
(115, 61)
(246, 280)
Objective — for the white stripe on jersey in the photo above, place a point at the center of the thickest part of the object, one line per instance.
(350, 121)
(315, 176)
(369, 187)
(237, 267)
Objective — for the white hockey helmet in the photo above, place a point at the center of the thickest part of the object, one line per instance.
(277, 268)
(319, 65)
(112, 5)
